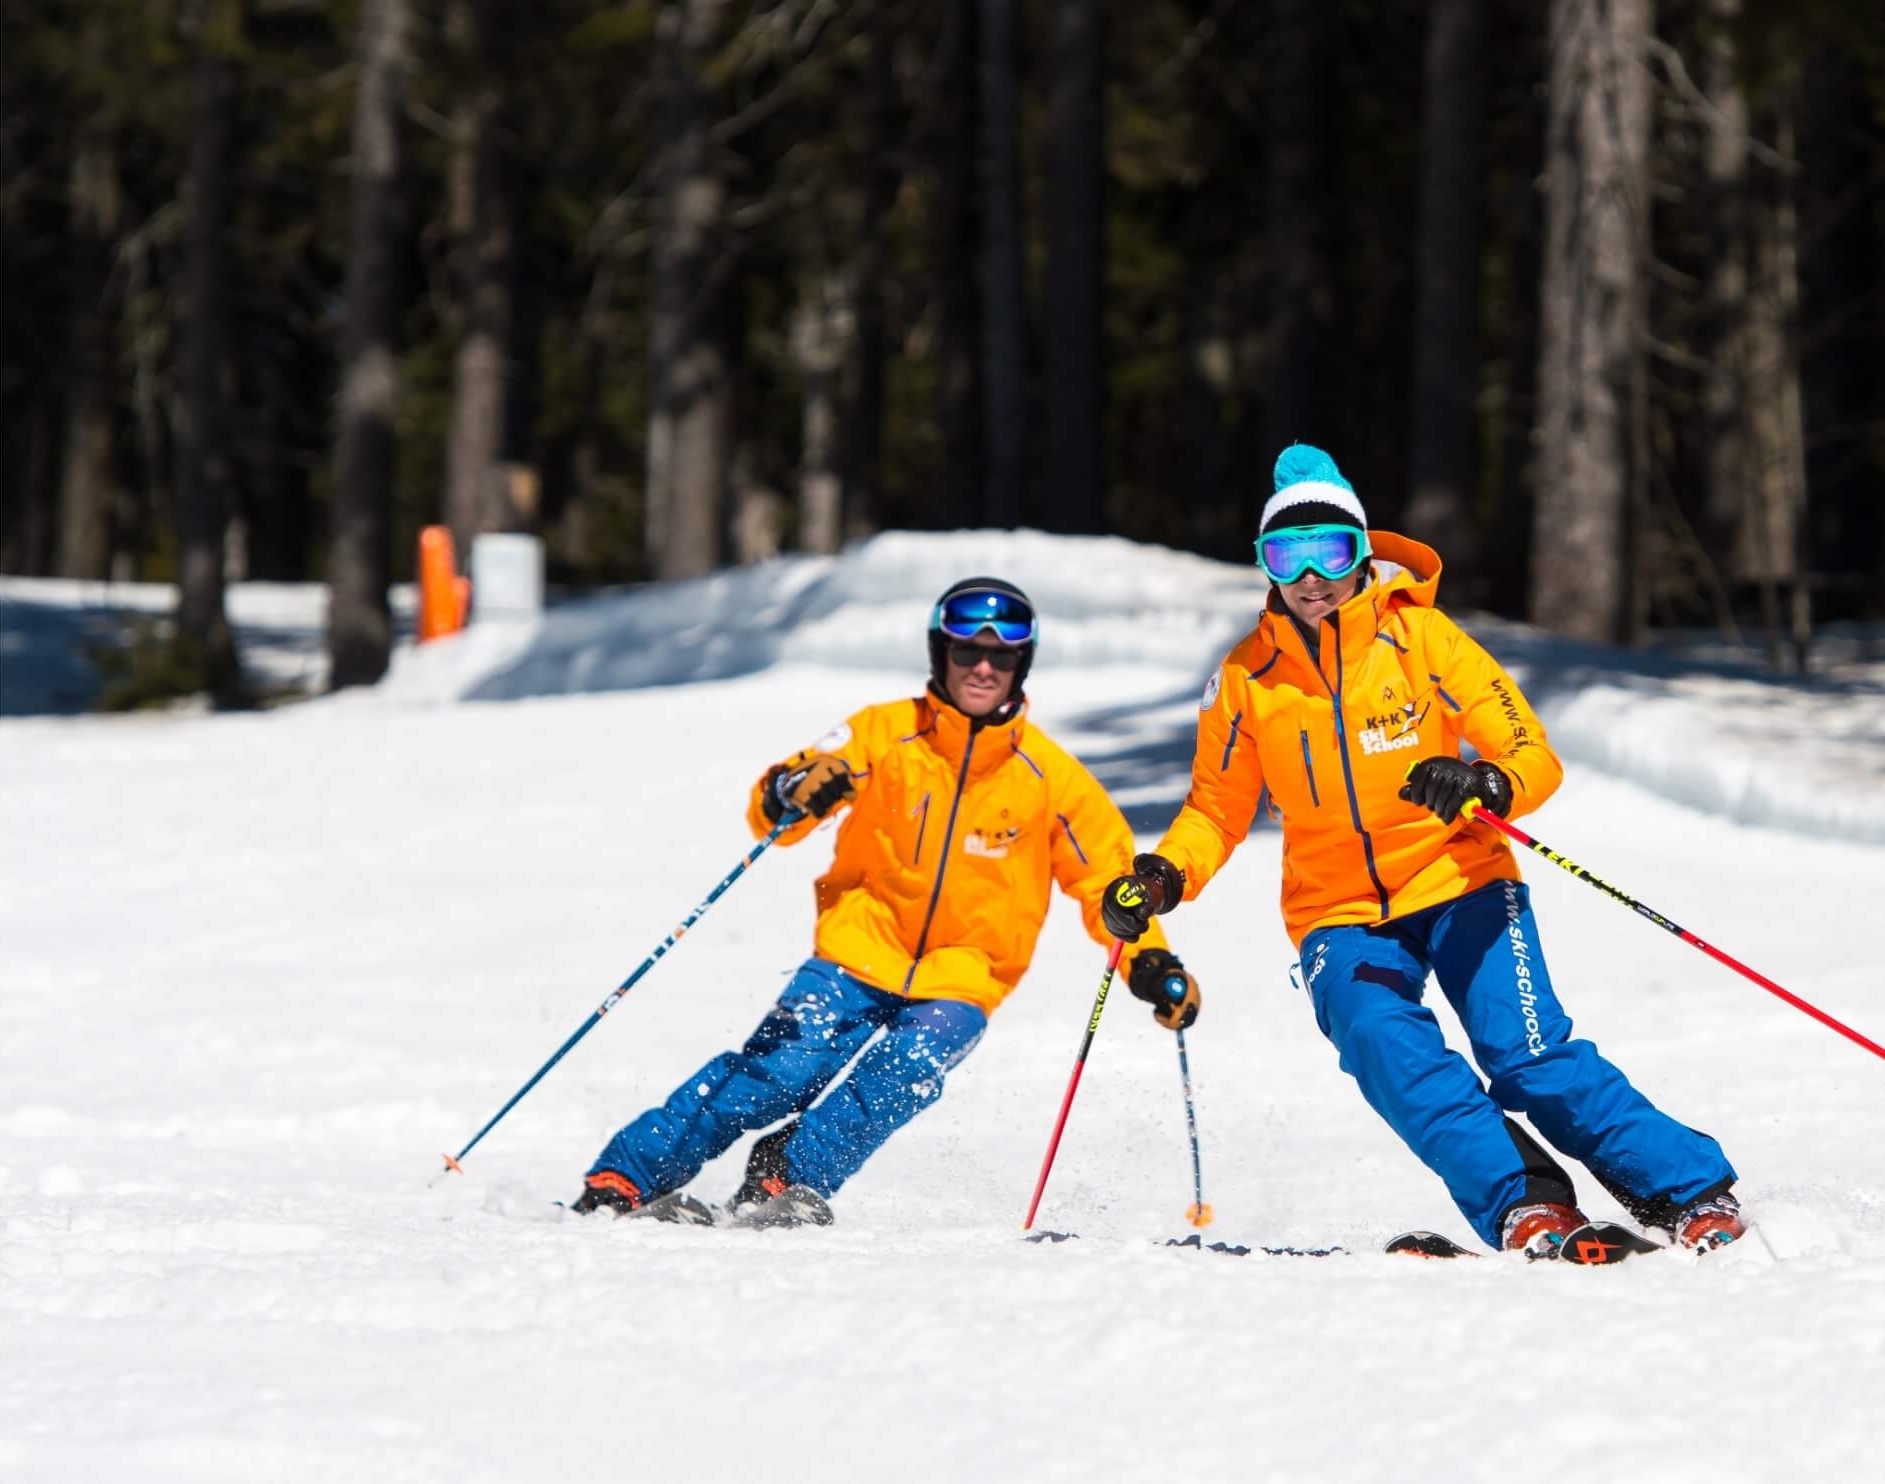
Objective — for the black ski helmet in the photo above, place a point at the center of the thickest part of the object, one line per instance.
(939, 641)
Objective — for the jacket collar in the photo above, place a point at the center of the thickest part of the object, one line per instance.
(948, 731)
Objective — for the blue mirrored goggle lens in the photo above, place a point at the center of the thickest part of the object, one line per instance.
(964, 615)
(1332, 551)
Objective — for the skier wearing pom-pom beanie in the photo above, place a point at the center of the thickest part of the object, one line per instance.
(1349, 702)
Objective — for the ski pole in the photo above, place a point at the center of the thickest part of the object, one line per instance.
(791, 818)
(1199, 1214)
(1472, 810)
(1073, 1082)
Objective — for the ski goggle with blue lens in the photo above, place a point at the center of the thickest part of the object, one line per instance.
(964, 615)
(1330, 551)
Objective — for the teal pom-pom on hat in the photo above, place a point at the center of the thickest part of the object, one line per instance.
(1304, 463)
(1310, 491)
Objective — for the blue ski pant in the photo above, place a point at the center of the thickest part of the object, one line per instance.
(1366, 984)
(824, 1018)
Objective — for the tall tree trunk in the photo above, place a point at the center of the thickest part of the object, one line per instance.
(959, 413)
(756, 511)
(580, 517)
(690, 430)
(202, 495)
(1302, 195)
(1076, 267)
(1769, 549)
(1206, 482)
(863, 436)
(1590, 391)
(1004, 306)
(1731, 478)
(483, 232)
(1444, 443)
(87, 474)
(360, 562)
(819, 330)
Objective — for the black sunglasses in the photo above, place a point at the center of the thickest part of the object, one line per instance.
(968, 656)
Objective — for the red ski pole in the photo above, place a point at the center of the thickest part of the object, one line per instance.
(1472, 811)
(1073, 1082)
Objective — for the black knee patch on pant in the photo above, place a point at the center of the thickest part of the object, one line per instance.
(766, 1171)
(1546, 1181)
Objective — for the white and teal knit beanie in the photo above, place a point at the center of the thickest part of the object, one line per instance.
(1310, 491)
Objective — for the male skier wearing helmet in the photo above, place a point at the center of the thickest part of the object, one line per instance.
(962, 812)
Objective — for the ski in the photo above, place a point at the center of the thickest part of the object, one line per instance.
(1229, 1249)
(1594, 1244)
(1600, 1243)
(677, 1208)
(1427, 1244)
(796, 1205)
(1197, 1243)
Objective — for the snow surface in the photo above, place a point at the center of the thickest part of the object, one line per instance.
(256, 971)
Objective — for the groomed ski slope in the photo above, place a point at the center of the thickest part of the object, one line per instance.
(256, 972)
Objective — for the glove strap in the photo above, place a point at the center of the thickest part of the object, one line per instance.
(1165, 881)
(1495, 787)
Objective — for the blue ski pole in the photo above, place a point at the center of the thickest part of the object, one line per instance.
(451, 1160)
(1199, 1214)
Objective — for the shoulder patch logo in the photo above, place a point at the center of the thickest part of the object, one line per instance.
(833, 739)
(1209, 698)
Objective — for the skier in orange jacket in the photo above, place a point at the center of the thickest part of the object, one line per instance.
(1349, 702)
(961, 815)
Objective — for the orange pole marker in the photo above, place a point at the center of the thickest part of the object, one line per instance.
(443, 594)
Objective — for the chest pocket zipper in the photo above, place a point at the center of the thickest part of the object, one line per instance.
(1309, 767)
(921, 815)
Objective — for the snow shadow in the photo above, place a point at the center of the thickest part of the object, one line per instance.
(45, 655)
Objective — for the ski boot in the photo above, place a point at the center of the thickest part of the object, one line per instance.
(607, 1190)
(768, 1196)
(1539, 1230)
(1710, 1223)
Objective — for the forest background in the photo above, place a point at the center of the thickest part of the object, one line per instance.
(1590, 294)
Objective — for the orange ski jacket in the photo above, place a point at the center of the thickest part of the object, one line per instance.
(944, 858)
(1397, 681)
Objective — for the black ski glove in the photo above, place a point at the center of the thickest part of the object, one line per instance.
(1131, 902)
(1444, 784)
(1160, 980)
(814, 787)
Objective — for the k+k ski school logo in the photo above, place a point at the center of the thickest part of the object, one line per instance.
(1396, 730)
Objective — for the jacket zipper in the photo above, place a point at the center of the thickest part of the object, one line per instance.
(1309, 767)
(1348, 772)
(922, 824)
(942, 863)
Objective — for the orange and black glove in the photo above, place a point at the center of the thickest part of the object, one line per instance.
(815, 787)
(1158, 978)
(1444, 784)
(1131, 902)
